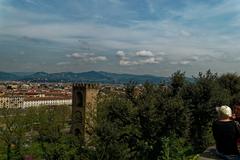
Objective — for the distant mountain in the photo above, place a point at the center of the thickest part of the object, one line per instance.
(4, 76)
(91, 76)
(22, 73)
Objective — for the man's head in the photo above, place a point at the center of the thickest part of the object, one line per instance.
(236, 102)
(236, 108)
(224, 112)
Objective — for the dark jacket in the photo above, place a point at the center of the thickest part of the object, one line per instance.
(226, 135)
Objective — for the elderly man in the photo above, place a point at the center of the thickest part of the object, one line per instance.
(226, 132)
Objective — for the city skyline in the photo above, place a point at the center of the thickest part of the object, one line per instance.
(155, 37)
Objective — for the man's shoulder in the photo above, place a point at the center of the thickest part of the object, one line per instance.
(223, 123)
(215, 122)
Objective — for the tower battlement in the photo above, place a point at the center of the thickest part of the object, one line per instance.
(86, 85)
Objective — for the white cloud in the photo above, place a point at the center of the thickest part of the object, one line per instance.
(80, 55)
(62, 63)
(185, 62)
(182, 62)
(151, 60)
(121, 54)
(87, 57)
(138, 58)
(123, 62)
(98, 58)
(144, 53)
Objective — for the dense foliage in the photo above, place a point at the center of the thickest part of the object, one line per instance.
(155, 121)
(33, 132)
(164, 122)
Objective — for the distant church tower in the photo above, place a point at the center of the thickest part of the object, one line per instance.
(83, 109)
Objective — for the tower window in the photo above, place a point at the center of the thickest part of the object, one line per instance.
(79, 99)
(77, 132)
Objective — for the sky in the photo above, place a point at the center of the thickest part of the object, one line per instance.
(155, 37)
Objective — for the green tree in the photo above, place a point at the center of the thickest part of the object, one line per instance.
(231, 82)
(206, 94)
(116, 131)
(13, 127)
(130, 129)
(178, 81)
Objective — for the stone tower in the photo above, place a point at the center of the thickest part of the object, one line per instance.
(83, 109)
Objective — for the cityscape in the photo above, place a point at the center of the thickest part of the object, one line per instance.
(22, 95)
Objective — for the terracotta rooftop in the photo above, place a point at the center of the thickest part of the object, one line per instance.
(46, 98)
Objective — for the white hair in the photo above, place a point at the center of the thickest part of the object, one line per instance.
(224, 111)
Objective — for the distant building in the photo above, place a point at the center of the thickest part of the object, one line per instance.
(46, 101)
(21, 102)
(2, 87)
(11, 102)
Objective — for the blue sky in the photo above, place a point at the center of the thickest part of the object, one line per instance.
(124, 36)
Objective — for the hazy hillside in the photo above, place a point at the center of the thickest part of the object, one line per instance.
(91, 76)
(8, 76)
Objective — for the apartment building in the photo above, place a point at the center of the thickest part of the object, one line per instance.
(11, 102)
(46, 101)
(21, 102)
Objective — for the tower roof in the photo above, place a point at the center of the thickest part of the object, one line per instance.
(86, 85)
